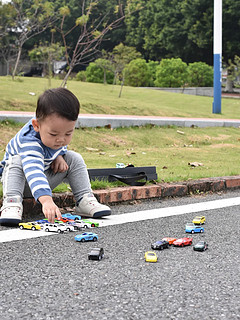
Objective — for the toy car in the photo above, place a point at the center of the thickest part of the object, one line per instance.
(192, 228)
(169, 240)
(69, 227)
(71, 216)
(29, 225)
(200, 246)
(150, 256)
(54, 227)
(159, 245)
(65, 220)
(199, 220)
(182, 242)
(81, 224)
(41, 221)
(92, 224)
(96, 254)
(86, 236)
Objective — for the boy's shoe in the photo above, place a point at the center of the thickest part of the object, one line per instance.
(11, 211)
(90, 207)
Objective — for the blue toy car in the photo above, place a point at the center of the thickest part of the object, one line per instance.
(71, 216)
(192, 228)
(86, 236)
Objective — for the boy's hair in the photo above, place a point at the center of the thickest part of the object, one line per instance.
(60, 101)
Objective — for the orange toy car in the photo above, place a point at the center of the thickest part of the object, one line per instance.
(170, 240)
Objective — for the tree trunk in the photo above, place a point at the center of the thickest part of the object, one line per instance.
(120, 93)
(229, 85)
(64, 82)
(17, 62)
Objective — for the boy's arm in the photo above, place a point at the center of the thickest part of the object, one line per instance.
(49, 208)
(59, 165)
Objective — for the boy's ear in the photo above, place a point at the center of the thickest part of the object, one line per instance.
(35, 125)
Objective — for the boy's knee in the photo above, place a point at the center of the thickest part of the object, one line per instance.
(72, 156)
(15, 161)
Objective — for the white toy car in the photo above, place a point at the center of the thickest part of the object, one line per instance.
(54, 227)
(81, 224)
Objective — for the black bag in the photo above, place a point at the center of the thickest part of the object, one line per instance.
(129, 175)
(131, 179)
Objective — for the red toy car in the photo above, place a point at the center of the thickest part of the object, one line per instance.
(182, 242)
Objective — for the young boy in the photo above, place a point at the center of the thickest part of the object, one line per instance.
(37, 160)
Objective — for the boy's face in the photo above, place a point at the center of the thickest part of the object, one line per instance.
(55, 131)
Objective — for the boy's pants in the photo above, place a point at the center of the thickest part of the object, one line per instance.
(15, 184)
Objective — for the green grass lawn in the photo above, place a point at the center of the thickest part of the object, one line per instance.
(217, 149)
(103, 99)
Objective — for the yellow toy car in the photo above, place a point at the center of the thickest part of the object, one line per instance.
(29, 225)
(199, 220)
(150, 256)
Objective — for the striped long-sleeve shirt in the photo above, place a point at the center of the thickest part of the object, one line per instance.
(36, 158)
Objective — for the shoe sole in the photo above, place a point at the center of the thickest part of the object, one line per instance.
(98, 214)
(9, 222)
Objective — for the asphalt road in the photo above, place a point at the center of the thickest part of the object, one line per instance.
(52, 278)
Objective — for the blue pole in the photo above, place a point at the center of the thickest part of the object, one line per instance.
(217, 56)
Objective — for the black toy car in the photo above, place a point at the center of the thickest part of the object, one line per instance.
(96, 254)
(159, 245)
(200, 246)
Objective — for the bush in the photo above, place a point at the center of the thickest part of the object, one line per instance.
(94, 73)
(81, 76)
(200, 74)
(137, 73)
(171, 73)
(152, 68)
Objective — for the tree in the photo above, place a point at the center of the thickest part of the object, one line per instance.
(122, 55)
(137, 73)
(106, 67)
(8, 50)
(90, 33)
(30, 18)
(46, 54)
(171, 73)
(233, 71)
(200, 75)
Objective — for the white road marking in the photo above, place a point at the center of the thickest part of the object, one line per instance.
(170, 211)
(17, 234)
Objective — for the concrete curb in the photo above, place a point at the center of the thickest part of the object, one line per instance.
(116, 121)
(128, 194)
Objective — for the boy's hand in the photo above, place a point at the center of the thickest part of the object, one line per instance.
(59, 165)
(49, 208)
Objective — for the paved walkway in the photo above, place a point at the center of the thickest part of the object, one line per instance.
(115, 121)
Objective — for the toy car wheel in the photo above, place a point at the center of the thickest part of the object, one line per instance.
(99, 258)
(82, 240)
(76, 218)
(161, 248)
(201, 231)
(92, 225)
(94, 239)
(85, 226)
(46, 229)
(33, 228)
(59, 231)
(192, 231)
